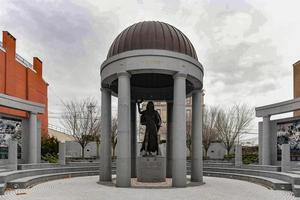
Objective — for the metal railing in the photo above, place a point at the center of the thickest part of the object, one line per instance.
(1, 46)
(19, 58)
(23, 61)
(59, 129)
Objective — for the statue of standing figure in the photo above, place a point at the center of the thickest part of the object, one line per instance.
(151, 119)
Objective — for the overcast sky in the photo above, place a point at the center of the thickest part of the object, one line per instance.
(247, 48)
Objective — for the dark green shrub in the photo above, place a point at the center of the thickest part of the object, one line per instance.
(250, 155)
(250, 158)
(229, 156)
(50, 158)
(49, 148)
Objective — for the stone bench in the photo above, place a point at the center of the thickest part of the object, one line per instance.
(25, 182)
(55, 165)
(288, 177)
(8, 176)
(262, 167)
(268, 182)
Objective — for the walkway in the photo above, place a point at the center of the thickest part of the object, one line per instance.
(86, 188)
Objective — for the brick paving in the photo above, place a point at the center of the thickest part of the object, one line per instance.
(83, 188)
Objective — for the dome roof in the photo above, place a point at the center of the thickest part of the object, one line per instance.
(152, 35)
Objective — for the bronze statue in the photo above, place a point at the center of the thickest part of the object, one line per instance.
(151, 119)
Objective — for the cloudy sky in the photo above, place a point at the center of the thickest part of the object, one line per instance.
(247, 48)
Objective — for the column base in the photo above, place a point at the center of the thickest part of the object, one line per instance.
(106, 183)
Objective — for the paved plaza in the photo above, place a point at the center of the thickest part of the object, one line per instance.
(85, 188)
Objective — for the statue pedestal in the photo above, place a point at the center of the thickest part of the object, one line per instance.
(151, 169)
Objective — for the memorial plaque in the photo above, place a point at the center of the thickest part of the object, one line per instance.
(151, 169)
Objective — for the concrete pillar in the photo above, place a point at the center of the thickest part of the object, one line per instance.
(25, 140)
(39, 141)
(285, 158)
(62, 153)
(238, 156)
(33, 139)
(133, 140)
(105, 147)
(197, 150)
(13, 154)
(179, 132)
(124, 140)
(260, 135)
(266, 156)
(169, 139)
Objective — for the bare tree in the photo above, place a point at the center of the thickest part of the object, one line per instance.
(82, 118)
(231, 122)
(114, 133)
(189, 135)
(210, 133)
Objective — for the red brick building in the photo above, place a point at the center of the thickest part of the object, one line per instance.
(21, 79)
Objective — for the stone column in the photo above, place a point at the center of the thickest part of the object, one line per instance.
(33, 134)
(266, 156)
(197, 151)
(124, 140)
(62, 153)
(105, 147)
(25, 140)
(133, 140)
(169, 139)
(238, 156)
(285, 158)
(13, 154)
(179, 132)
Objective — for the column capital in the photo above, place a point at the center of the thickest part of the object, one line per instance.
(197, 90)
(124, 74)
(180, 75)
(267, 117)
(105, 90)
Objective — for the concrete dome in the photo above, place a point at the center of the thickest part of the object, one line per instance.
(152, 35)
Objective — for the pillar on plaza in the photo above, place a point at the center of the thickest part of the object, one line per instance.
(33, 139)
(62, 153)
(238, 159)
(25, 140)
(197, 151)
(124, 140)
(285, 158)
(266, 156)
(169, 139)
(179, 132)
(105, 152)
(13, 154)
(133, 140)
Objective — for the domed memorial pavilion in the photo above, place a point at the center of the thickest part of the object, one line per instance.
(152, 61)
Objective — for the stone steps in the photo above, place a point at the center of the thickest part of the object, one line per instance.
(12, 175)
(26, 182)
(271, 179)
(55, 165)
(287, 177)
(275, 184)
(29, 181)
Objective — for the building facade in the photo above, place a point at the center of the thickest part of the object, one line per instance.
(21, 79)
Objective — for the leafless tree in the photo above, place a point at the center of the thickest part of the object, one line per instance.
(114, 133)
(189, 135)
(83, 119)
(210, 133)
(231, 122)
